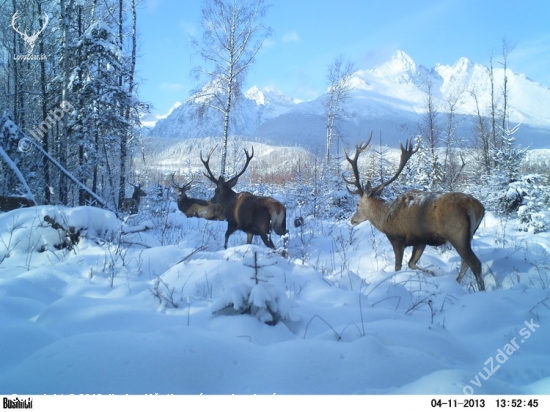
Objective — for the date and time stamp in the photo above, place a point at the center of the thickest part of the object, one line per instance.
(488, 404)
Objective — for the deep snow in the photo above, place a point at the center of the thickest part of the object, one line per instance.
(157, 311)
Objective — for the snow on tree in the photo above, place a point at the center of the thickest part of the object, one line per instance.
(419, 172)
(102, 101)
(9, 137)
(532, 195)
(267, 303)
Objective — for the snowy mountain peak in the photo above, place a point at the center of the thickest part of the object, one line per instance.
(460, 69)
(205, 92)
(268, 96)
(255, 94)
(403, 60)
(389, 97)
(399, 69)
(462, 64)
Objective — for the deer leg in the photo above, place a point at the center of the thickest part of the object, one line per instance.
(266, 237)
(230, 230)
(398, 249)
(249, 238)
(463, 268)
(474, 264)
(469, 259)
(415, 257)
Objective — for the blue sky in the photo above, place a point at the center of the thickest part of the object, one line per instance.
(309, 34)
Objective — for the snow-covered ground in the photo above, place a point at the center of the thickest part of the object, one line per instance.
(168, 310)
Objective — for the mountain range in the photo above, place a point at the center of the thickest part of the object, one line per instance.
(389, 100)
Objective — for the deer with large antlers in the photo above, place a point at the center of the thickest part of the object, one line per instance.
(419, 218)
(192, 207)
(255, 215)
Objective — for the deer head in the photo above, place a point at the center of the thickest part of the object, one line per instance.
(224, 188)
(181, 189)
(192, 207)
(366, 206)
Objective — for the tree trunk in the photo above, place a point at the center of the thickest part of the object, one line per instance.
(15, 73)
(45, 136)
(65, 18)
(225, 132)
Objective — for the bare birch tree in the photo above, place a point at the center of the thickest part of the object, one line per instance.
(506, 50)
(338, 76)
(233, 34)
(483, 135)
(452, 168)
(430, 130)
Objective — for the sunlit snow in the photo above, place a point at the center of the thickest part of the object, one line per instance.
(168, 310)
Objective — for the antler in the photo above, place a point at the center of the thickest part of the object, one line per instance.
(406, 153)
(183, 187)
(233, 181)
(360, 148)
(132, 183)
(13, 20)
(29, 39)
(206, 162)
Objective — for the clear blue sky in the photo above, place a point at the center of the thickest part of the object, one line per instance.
(309, 34)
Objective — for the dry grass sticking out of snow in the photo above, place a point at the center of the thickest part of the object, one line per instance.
(158, 306)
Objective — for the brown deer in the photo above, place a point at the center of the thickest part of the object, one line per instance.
(8, 203)
(196, 207)
(419, 218)
(255, 215)
(131, 204)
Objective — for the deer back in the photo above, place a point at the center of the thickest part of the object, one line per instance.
(431, 218)
(8, 203)
(200, 208)
(256, 214)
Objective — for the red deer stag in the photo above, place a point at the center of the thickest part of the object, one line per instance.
(196, 207)
(131, 204)
(255, 215)
(8, 203)
(419, 218)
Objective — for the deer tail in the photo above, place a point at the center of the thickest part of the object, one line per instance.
(278, 218)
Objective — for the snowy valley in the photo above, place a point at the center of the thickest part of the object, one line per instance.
(389, 100)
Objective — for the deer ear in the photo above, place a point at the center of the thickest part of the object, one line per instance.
(232, 182)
